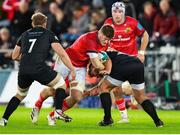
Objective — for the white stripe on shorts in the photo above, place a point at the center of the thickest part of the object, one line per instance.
(138, 86)
(114, 81)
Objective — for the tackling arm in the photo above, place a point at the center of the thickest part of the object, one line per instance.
(63, 55)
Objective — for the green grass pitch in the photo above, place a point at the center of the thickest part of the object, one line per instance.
(85, 122)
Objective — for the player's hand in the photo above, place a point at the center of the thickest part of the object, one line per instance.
(86, 94)
(111, 49)
(73, 74)
(103, 72)
(141, 57)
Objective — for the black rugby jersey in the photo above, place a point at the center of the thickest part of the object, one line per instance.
(35, 45)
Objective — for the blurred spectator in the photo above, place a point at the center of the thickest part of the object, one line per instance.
(80, 23)
(22, 19)
(108, 5)
(130, 8)
(97, 20)
(42, 6)
(165, 25)
(10, 6)
(147, 18)
(58, 21)
(61, 3)
(97, 4)
(53, 7)
(5, 43)
(70, 6)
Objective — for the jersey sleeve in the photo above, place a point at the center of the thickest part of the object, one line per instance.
(18, 43)
(139, 30)
(53, 38)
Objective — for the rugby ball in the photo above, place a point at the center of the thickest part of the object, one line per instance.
(103, 56)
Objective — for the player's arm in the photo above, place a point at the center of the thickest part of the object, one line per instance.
(144, 43)
(107, 67)
(63, 55)
(97, 63)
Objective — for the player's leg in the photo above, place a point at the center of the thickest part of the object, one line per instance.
(106, 102)
(121, 105)
(147, 105)
(137, 83)
(23, 87)
(47, 92)
(76, 91)
(59, 85)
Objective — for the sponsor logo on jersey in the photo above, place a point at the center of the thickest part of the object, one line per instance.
(120, 38)
(127, 30)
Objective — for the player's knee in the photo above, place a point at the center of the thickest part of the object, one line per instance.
(47, 92)
(60, 84)
(20, 97)
(22, 92)
(75, 85)
(51, 92)
(103, 88)
(140, 98)
(117, 92)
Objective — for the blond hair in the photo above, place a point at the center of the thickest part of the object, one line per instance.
(38, 18)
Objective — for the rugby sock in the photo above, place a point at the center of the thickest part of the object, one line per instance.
(59, 98)
(150, 109)
(106, 104)
(11, 107)
(51, 114)
(65, 105)
(122, 108)
(39, 102)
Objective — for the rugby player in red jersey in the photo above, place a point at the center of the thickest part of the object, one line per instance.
(84, 49)
(126, 29)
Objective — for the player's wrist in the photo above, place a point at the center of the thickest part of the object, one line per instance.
(141, 52)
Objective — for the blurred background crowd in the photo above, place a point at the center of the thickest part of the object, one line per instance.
(68, 19)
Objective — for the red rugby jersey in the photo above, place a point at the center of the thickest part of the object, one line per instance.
(125, 35)
(86, 43)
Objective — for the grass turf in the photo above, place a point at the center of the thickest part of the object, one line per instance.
(85, 122)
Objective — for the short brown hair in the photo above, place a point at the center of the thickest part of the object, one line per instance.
(108, 31)
(38, 18)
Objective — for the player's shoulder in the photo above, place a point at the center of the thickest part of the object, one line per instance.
(130, 19)
(49, 32)
(25, 33)
(90, 35)
(109, 20)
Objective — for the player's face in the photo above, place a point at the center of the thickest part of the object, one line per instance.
(117, 15)
(103, 39)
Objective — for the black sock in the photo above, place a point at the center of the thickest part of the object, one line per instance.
(59, 98)
(11, 107)
(150, 109)
(106, 104)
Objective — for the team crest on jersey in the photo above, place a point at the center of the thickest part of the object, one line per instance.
(128, 29)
